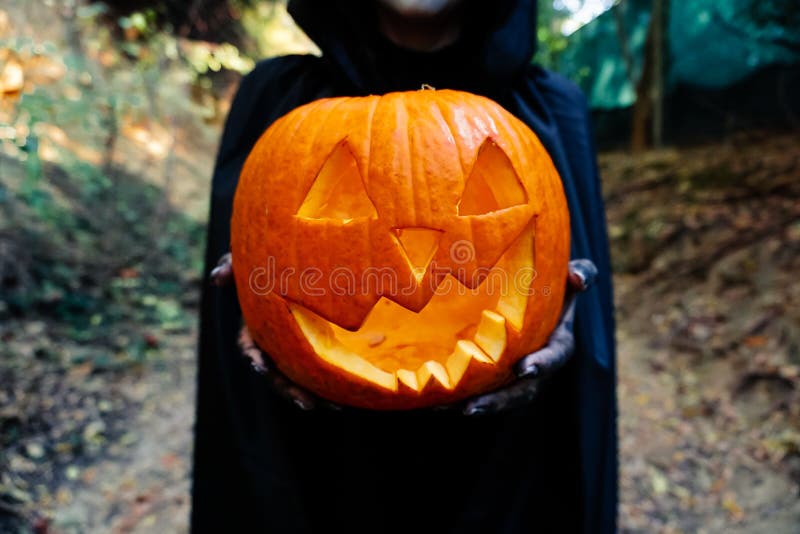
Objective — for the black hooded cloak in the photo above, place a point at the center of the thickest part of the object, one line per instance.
(262, 465)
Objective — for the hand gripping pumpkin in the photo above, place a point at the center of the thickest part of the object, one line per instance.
(399, 251)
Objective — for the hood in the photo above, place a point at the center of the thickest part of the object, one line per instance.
(496, 44)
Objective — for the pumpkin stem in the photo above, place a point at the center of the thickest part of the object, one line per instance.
(427, 87)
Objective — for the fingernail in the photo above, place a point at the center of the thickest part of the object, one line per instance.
(217, 276)
(582, 277)
(302, 405)
(577, 281)
(533, 370)
(585, 271)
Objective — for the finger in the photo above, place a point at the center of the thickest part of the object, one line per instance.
(567, 317)
(555, 354)
(286, 389)
(277, 381)
(222, 274)
(332, 406)
(248, 347)
(582, 274)
(447, 408)
(519, 393)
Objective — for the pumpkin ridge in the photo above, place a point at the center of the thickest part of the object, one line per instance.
(427, 196)
(401, 105)
(437, 106)
(370, 128)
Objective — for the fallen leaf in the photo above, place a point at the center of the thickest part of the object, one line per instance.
(659, 482)
(63, 496)
(12, 78)
(732, 507)
(170, 460)
(34, 450)
(755, 341)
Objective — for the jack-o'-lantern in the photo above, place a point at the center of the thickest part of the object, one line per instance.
(399, 251)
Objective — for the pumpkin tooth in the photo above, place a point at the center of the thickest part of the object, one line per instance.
(458, 362)
(433, 369)
(409, 378)
(491, 335)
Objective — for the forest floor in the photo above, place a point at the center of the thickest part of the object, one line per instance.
(706, 251)
(102, 211)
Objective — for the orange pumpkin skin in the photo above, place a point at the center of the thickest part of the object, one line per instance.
(442, 190)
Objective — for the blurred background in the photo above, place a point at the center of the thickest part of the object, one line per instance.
(110, 115)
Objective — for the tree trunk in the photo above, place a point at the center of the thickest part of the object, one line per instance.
(622, 38)
(648, 119)
(658, 72)
(643, 107)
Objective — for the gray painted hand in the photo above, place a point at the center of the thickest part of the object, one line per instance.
(536, 367)
(222, 275)
(531, 370)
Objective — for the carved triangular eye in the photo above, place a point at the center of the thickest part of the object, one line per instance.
(338, 191)
(492, 185)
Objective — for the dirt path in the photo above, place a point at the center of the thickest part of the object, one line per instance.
(706, 242)
(146, 488)
(709, 381)
(106, 151)
(683, 467)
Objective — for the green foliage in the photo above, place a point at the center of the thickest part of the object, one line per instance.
(205, 59)
(99, 249)
(776, 12)
(774, 20)
(551, 42)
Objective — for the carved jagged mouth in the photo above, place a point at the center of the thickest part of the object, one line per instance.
(397, 348)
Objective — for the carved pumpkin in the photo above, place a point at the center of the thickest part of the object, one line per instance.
(399, 251)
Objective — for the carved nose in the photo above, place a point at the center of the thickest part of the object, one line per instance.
(419, 246)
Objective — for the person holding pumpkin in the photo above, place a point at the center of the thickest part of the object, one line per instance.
(537, 454)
